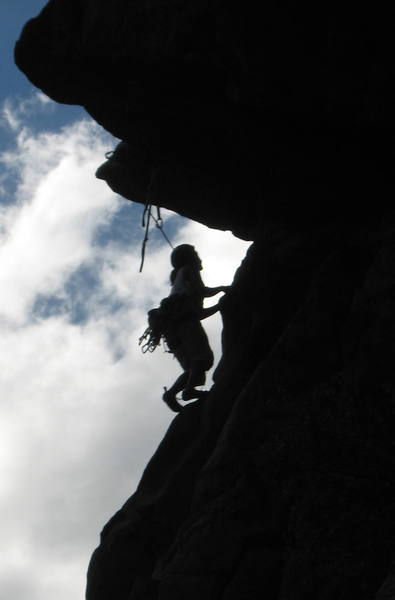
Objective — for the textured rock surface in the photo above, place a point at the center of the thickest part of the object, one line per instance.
(281, 484)
(289, 110)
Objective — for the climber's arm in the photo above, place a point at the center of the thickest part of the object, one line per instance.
(207, 312)
(198, 285)
(209, 292)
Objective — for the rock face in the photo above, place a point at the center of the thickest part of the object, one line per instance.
(280, 485)
(281, 113)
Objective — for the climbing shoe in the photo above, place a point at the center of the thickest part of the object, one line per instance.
(193, 395)
(171, 401)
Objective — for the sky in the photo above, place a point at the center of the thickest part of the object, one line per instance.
(81, 411)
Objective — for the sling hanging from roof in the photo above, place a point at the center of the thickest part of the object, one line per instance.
(147, 215)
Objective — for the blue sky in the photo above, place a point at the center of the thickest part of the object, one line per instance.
(13, 15)
(81, 410)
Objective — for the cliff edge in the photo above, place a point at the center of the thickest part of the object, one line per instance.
(277, 125)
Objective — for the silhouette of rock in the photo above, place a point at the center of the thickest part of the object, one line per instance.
(279, 127)
(285, 115)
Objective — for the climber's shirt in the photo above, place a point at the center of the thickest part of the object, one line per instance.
(189, 285)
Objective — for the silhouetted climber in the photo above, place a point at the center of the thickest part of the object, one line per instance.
(186, 337)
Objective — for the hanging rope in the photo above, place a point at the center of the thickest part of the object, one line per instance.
(147, 216)
(159, 224)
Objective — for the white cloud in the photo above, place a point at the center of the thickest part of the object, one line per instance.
(15, 111)
(81, 410)
(9, 118)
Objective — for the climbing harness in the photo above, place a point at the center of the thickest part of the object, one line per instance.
(164, 321)
(147, 216)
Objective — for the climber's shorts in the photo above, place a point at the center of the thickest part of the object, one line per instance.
(191, 346)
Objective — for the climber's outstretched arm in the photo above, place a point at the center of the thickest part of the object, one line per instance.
(207, 312)
(209, 292)
(197, 284)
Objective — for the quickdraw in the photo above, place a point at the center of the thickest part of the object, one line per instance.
(147, 216)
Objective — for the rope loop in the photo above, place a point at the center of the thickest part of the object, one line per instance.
(147, 216)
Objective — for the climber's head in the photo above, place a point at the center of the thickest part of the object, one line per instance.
(183, 255)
